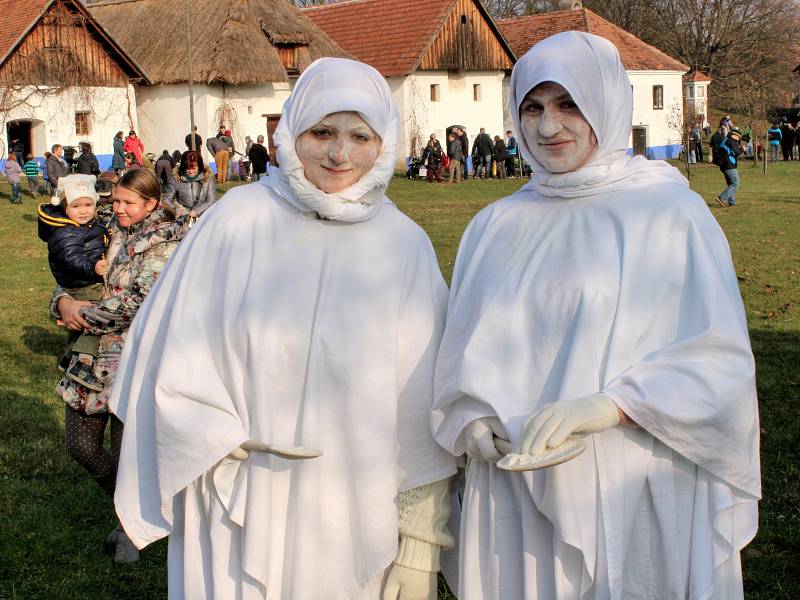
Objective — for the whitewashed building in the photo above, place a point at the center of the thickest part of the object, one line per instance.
(444, 60)
(63, 79)
(656, 78)
(244, 57)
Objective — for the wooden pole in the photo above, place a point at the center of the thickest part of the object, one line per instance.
(765, 148)
(189, 72)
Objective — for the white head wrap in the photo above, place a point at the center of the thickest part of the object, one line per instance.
(327, 86)
(590, 69)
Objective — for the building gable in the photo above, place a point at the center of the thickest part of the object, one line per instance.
(62, 45)
(468, 40)
(399, 38)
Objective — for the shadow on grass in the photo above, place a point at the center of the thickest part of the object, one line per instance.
(41, 341)
(27, 217)
(770, 562)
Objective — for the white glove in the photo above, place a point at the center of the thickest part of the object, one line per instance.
(550, 426)
(409, 584)
(479, 438)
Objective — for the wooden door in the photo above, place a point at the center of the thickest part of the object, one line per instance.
(272, 123)
(640, 141)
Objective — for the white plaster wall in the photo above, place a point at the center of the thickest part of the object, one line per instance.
(658, 131)
(164, 112)
(248, 103)
(53, 117)
(456, 104)
(164, 117)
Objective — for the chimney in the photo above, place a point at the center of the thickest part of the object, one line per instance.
(570, 5)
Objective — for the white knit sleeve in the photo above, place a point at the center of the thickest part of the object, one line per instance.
(423, 513)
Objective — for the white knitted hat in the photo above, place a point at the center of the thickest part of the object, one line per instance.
(73, 187)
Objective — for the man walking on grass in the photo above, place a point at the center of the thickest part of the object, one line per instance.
(727, 155)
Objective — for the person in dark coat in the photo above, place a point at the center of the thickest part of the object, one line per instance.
(787, 139)
(163, 168)
(87, 161)
(198, 141)
(259, 158)
(727, 158)
(56, 169)
(118, 159)
(193, 188)
(432, 158)
(500, 155)
(482, 147)
(715, 142)
(18, 148)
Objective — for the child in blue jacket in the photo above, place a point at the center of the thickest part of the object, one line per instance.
(76, 245)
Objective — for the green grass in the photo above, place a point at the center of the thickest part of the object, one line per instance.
(53, 519)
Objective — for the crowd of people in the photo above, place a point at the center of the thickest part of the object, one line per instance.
(490, 157)
(129, 153)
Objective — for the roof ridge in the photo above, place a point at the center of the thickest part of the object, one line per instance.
(329, 4)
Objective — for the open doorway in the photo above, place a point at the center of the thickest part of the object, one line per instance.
(18, 139)
(640, 141)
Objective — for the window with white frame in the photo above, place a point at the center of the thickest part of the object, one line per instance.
(434, 92)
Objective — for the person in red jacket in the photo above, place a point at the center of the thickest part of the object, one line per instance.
(134, 145)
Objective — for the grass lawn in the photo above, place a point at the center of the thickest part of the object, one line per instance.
(53, 519)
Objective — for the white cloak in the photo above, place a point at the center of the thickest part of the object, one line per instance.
(631, 293)
(269, 323)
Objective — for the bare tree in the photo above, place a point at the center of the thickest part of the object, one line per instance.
(747, 46)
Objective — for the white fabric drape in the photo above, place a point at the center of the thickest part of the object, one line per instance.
(623, 284)
(272, 324)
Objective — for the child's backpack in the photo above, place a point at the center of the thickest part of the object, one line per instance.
(774, 135)
(50, 218)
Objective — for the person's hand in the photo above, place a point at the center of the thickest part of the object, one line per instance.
(550, 426)
(70, 313)
(404, 583)
(192, 214)
(479, 438)
(101, 267)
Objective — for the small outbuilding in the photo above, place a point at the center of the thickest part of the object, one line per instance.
(63, 79)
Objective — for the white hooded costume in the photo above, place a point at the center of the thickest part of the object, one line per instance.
(613, 278)
(297, 318)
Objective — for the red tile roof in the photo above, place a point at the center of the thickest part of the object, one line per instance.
(523, 32)
(18, 17)
(391, 36)
(696, 76)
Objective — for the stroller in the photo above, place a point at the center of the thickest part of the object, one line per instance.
(244, 170)
(414, 166)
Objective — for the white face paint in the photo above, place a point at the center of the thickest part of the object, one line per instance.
(338, 151)
(558, 135)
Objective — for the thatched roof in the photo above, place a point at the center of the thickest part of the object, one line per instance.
(233, 41)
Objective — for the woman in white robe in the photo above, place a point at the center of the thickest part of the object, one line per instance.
(599, 300)
(304, 311)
